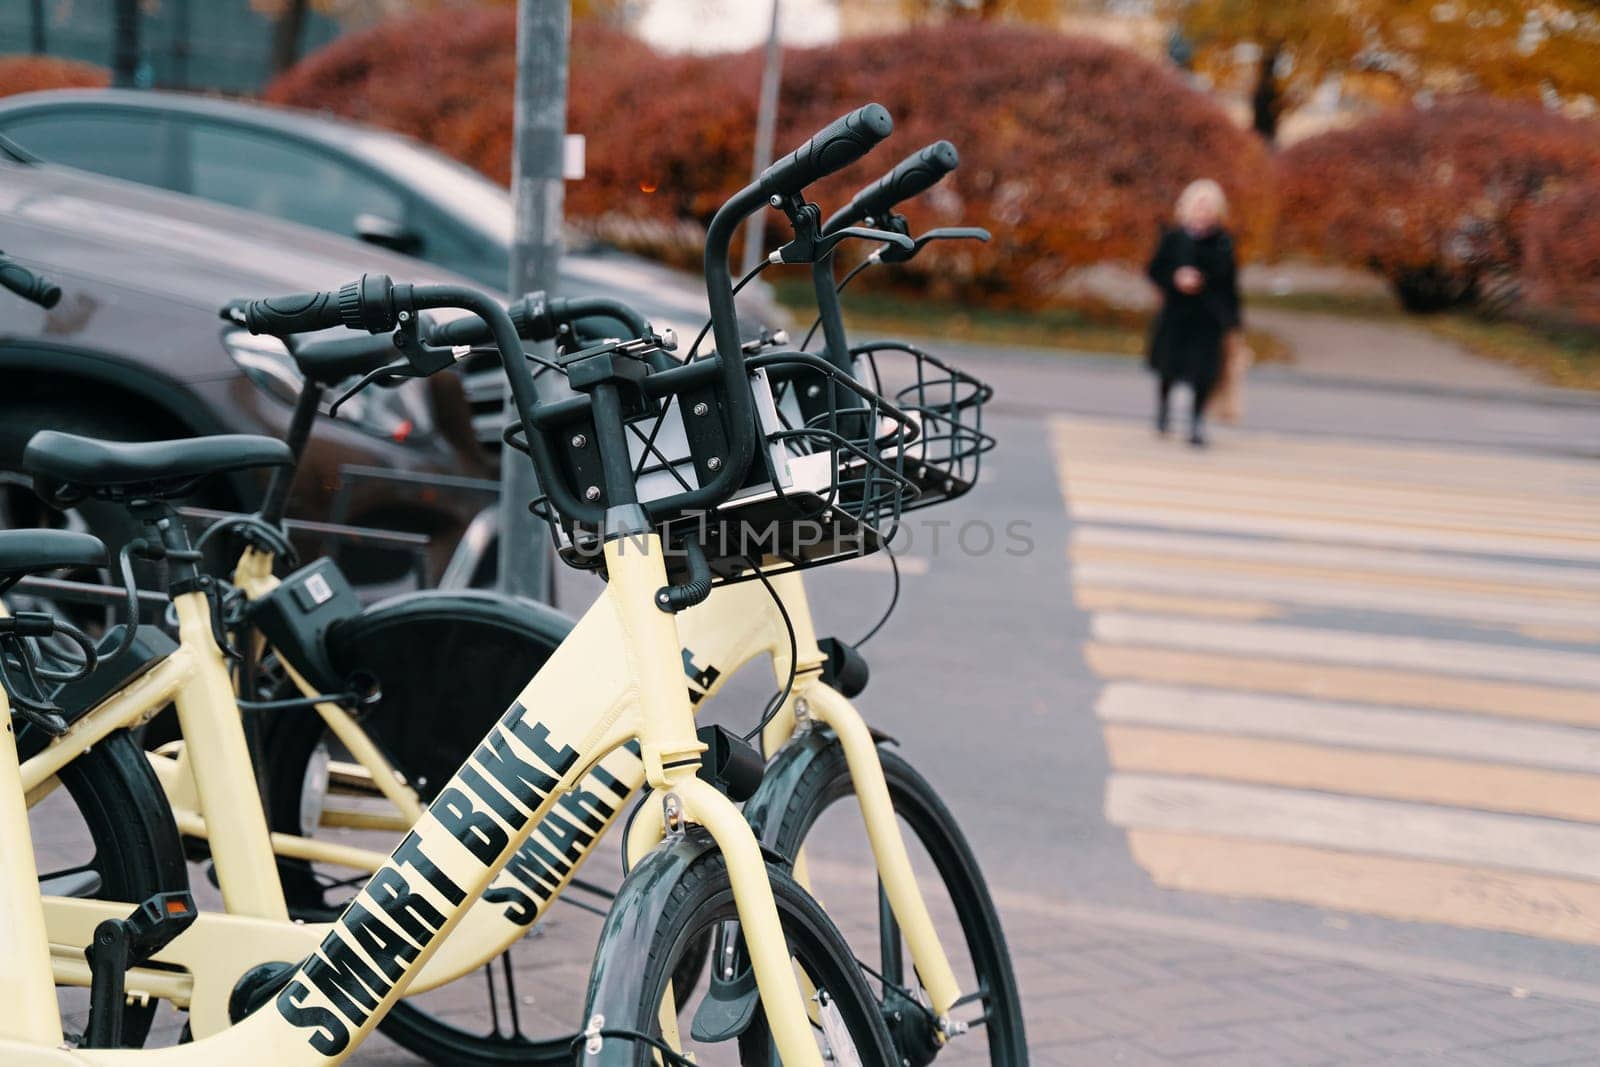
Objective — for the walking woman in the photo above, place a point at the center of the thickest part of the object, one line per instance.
(1196, 273)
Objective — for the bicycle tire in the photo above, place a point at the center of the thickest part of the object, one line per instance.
(138, 852)
(826, 781)
(701, 899)
(411, 645)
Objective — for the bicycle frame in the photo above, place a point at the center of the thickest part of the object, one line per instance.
(478, 824)
(738, 624)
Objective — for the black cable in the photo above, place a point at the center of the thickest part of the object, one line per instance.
(857, 269)
(794, 654)
(894, 599)
(667, 1052)
(694, 349)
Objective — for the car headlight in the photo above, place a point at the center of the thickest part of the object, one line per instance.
(396, 413)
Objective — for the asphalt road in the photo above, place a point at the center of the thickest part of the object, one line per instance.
(983, 674)
(1316, 711)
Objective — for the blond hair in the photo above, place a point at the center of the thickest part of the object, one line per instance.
(1198, 190)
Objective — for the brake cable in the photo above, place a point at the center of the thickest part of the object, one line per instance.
(694, 349)
(894, 597)
(777, 702)
(816, 323)
(593, 1037)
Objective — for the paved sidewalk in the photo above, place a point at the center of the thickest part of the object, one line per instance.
(1098, 994)
(1386, 352)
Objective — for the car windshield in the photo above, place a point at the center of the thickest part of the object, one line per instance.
(470, 196)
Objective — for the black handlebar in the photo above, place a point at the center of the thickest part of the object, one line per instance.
(834, 147)
(914, 175)
(360, 305)
(375, 304)
(540, 319)
(27, 284)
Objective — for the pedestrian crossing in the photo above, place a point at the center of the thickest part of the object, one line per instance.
(1359, 676)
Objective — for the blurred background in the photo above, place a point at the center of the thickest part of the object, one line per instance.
(1429, 160)
(1284, 751)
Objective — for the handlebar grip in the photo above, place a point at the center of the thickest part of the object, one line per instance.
(834, 147)
(366, 304)
(28, 285)
(914, 175)
(527, 315)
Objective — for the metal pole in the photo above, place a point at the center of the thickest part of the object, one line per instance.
(766, 131)
(543, 30)
(125, 44)
(180, 44)
(37, 9)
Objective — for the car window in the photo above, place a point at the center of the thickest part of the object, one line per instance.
(276, 176)
(447, 243)
(129, 146)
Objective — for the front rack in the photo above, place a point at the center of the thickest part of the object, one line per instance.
(828, 483)
(944, 461)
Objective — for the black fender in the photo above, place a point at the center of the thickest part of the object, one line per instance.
(630, 929)
(537, 620)
(449, 664)
(764, 811)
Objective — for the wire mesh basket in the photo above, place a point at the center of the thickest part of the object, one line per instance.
(945, 458)
(828, 482)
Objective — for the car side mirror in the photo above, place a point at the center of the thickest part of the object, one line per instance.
(386, 233)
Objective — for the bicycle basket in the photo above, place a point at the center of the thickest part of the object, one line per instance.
(827, 484)
(944, 460)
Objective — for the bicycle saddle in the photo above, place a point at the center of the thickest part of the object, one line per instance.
(66, 467)
(25, 552)
(329, 361)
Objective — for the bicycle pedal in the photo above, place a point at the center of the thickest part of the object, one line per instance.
(123, 943)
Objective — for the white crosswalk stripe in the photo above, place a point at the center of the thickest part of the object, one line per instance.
(1476, 570)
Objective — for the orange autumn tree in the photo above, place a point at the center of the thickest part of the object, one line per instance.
(1510, 48)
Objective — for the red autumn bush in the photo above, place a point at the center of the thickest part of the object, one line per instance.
(447, 78)
(1073, 150)
(25, 74)
(1561, 254)
(1436, 200)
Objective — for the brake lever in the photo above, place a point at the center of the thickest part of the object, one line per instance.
(810, 244)
(902, 254)
(823, 247)
(417, 361)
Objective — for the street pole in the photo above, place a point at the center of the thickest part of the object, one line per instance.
(543, 29)
(766, 132)
(125, 44)
(180, 44)
(36, 8)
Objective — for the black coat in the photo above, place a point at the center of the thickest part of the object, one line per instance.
(1186, 337)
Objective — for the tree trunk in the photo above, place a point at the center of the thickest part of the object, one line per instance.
(286, 34)
(1267, 100)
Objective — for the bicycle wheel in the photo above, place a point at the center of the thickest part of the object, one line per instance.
(108, 834)
(945, 859)
(448, 666)
(629, 996)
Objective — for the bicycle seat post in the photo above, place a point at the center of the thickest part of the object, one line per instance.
(298, 436)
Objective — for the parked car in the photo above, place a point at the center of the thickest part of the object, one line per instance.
(135, 350)
(343, 177)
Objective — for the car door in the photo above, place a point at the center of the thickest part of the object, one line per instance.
(266, 172)
(137, 146)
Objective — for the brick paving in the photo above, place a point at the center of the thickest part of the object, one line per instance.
(1097, 994)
